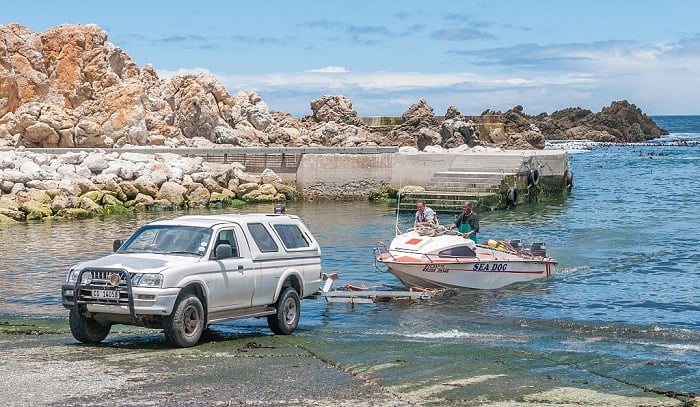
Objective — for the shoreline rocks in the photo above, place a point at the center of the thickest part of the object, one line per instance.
(85, 184)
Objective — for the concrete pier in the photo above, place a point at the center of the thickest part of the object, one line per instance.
(447, 178)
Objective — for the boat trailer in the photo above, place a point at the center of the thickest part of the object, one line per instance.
(361, 295)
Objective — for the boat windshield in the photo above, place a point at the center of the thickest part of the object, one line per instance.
(458, 251)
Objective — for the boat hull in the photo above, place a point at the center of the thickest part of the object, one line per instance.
(475, 274)
(451, 261)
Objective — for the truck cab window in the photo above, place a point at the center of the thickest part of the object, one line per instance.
(262, 238)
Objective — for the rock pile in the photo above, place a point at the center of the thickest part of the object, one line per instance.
(81, 184)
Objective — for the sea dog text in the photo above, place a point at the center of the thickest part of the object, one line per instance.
(490, 267)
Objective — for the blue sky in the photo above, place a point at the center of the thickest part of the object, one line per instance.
(386, 55)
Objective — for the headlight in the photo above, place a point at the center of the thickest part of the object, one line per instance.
(72, 276)
(147, 280)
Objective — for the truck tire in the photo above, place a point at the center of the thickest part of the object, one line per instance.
(86, 330)
(286, 319)
(185, 325)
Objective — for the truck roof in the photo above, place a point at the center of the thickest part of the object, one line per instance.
(211, 220)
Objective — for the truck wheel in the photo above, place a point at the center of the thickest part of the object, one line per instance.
(286, 319)
(185, 325)
(86, 330)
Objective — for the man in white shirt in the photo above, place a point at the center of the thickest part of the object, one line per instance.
(425, 216)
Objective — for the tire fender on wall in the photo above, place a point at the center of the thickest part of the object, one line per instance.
(533, 177)
(569, 179)
(512, 196)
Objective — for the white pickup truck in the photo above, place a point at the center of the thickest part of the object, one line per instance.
(183, 274)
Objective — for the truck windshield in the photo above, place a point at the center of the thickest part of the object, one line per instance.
(188, 240)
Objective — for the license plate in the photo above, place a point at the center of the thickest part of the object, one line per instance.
(106, 294)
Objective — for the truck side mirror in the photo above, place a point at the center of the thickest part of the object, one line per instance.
(117, 244)
(223, 251)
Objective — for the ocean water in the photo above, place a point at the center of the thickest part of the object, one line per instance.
(623, 303)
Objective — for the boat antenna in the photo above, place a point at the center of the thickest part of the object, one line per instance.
(398, 206)
(398, 209)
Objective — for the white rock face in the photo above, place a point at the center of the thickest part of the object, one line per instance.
(142, 177)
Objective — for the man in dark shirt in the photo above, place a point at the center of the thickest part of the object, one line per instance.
(467, 222)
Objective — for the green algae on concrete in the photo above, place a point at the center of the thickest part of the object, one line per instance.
(477, 374)
(34, 326)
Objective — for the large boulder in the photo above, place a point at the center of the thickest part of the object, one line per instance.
(198, 198)
(332, 108)
(265, 193)
(419, 115)
(172, 192)
(455, 132)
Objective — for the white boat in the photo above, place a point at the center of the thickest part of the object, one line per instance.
(425, 259)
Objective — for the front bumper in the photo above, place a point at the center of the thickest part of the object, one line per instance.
(146, 301)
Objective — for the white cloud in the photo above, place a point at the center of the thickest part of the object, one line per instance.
(390, 81)
(659, 78)
(329, 69)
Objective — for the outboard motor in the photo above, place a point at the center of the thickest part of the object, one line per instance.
(280, 209)
(538, 249)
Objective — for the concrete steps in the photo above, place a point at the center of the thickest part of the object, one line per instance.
(468, 182)
(440, 201)
(446, 190)
(463, 181)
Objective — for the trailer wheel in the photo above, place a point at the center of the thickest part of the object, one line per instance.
(86, 330)
(185, 325)
(286, 319)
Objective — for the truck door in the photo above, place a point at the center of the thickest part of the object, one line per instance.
(231, 282)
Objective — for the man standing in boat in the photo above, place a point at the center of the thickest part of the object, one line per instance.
(425, 216)
(467, 222)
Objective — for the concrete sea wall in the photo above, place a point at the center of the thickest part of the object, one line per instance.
(356, 175)
(344, 176)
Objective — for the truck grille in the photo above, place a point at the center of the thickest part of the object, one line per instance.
(97, 286)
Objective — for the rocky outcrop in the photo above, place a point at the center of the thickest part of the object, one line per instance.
(70, 87)
(420, 128)
(620, 122)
